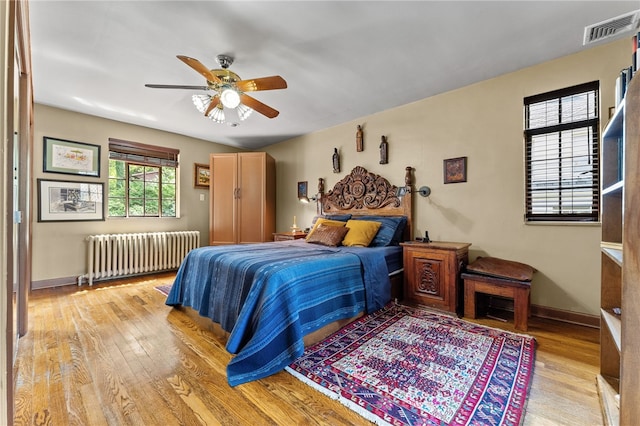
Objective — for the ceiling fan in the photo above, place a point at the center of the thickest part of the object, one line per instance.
(229, 90)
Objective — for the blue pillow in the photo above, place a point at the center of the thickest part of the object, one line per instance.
(340, 217)
(391, 230)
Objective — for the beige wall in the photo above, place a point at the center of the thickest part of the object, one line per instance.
(483, 122)
(59, 248)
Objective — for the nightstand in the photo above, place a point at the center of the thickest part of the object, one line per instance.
(288, 236)
(432, 274)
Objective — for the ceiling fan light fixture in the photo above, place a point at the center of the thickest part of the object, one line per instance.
(228, 90)
(201, 102)
(230, 98)
(217, 114)
(243, 112)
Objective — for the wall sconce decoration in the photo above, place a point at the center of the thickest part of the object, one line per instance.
(359, 139)
(424, 191)
(384, 150)
(336, 161)
(455, 170)
(302, 193)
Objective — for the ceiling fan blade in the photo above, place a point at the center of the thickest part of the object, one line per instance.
(255, 104)
(265, 83)
(176, 86)
(214, 103)
(197, 65)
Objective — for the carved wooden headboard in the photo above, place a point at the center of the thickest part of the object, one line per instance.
(364, 193)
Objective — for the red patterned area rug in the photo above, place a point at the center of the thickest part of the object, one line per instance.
(408, 366)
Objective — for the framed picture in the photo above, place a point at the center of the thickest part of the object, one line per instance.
(201, 175)
(71, 158)
(302, 190)
(66, 201)
(455, 170)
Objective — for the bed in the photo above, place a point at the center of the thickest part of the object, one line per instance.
(271, 299)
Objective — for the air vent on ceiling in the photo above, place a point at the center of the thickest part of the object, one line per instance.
(611, 27)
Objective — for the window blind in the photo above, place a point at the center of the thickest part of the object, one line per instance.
(562, 155)
(140, 153)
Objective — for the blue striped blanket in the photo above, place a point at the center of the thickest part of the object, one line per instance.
(268, 296)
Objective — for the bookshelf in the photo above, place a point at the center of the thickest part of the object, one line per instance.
(620, 253)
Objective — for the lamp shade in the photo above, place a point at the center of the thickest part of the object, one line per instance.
(243, 111)
(217, 114)
(230, 98)
(201, 102)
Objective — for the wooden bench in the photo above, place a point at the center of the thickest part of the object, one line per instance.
(503, 278)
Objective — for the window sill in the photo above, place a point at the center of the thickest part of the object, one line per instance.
(550, 223)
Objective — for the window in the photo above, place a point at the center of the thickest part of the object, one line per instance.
(562, 155)
(142, 180)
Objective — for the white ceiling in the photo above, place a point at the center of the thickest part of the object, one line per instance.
(342, 60)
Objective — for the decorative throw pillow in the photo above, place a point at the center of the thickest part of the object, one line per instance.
(328, 235)
(327, 222)
(391, 231)
(361, 233)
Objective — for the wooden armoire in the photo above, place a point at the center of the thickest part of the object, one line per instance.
(242, 198)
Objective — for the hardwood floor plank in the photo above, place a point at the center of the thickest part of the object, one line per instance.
(154, 355)
(115, 354)
(125, 357)
(72, 374)
(303, 402)
(41, 403)
(113, 397)
(195, 404)
(92, 406)
(24, 369)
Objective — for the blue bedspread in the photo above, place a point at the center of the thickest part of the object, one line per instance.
(270, 295)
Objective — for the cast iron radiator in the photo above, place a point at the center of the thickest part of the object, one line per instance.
(120, 255)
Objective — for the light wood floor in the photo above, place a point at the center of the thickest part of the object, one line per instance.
(114, 354)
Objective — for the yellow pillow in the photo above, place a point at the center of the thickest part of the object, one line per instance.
(361, 233)
(327, 222)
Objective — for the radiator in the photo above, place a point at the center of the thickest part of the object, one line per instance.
(121, 255)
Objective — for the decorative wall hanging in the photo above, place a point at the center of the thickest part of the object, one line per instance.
(65, 201)
(455, 170)
(201, 175)
(359, 139)
(336, 161)
(384, 151)
(71, 158)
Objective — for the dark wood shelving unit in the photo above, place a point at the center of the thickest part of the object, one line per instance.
(620, 277)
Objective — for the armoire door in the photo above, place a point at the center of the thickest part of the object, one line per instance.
(223, 191)
(251, 196)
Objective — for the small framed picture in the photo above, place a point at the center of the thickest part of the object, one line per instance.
(71, 158)
(66, 201)
(201, 175)
(455, 170)
(302, 190)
